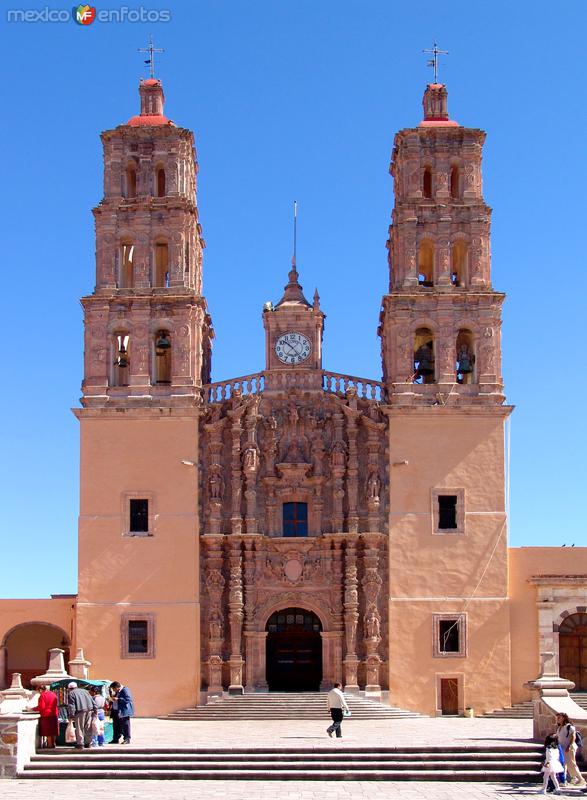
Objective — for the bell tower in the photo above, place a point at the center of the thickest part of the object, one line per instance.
(147, 354)
(147, 330)
(441, 320)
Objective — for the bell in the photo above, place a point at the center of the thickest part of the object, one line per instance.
(122, 360)
(465, 365)
(162, 342)
(424, 359)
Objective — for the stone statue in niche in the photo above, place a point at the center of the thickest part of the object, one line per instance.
(338, 455)
(216, 483)
(215, 624)
(251, 458)
(373, 488)
(372, 626)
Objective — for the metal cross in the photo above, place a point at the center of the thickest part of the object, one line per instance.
(433, 62)
(151, 50)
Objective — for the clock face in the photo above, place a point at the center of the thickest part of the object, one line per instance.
(293, 348)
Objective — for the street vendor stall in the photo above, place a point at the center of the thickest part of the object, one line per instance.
(60, 689)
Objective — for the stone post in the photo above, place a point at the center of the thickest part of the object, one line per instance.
(551, 697)
(351, 616)
(3, 663)
(236, 615)
(372, 583)
(79, 666)
(55, 671)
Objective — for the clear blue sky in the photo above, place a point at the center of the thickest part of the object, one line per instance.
(292, 99)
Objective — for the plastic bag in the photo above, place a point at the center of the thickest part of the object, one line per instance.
(346, 713)
(70, 732)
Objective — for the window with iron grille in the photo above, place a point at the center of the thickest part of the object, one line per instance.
(450, 635)
(138, 636)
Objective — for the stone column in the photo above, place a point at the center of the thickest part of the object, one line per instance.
(256, 649)
(372, 583)
(236, 477)
(214, 588)
(351, 616)
(236, 606)
(331, 658)
(352, 476)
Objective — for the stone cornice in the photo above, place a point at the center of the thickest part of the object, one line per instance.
(459, 410)
(558, 580)
(123, 413)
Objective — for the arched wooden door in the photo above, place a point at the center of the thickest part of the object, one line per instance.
(294, 651)
(573, 650)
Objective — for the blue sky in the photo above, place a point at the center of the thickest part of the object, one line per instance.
(292, 100)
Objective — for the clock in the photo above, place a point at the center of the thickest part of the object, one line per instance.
(293, 347)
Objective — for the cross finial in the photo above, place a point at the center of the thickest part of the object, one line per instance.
(151, 50)
(433, 62)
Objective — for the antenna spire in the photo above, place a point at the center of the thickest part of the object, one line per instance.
(295, 235)
(433, 62)
(151, 50)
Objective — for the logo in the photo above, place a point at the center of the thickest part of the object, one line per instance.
(84, 15)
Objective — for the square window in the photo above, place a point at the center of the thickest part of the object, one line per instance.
(139, 516)
(295, 519)
(448, 511)
(137, 636)
(449, 632)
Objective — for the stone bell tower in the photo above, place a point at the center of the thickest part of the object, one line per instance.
(147, 355)
(147, 331)
(440, 322)
(440, 337)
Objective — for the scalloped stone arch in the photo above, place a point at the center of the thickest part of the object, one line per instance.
(567, 613)
(292, 599)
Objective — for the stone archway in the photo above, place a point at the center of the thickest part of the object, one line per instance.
(26, 649)
(294, 651)
(573, 649)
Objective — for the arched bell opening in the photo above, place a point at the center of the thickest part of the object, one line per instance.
(572, 643)
(120, 358)
(465, 357)
(126, 270)
(162, 360)
(455, 183)
(161, 271)
(426, 264)
(424, 362)
(458, 263)
(160, 188)
(427, 183)
(294, 651)
(131, 181)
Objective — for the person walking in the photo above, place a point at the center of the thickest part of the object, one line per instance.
(125, 709)
(48, 709)
(337, 705)
(80, 708)
(566, 734)
(552, 765)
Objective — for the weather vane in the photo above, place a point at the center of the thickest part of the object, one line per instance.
(433, 62)
(151, 50)
(295, 232)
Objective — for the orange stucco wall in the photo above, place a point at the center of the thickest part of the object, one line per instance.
(154, 575)
(448, 573)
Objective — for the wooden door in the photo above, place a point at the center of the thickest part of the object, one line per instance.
(573, 656)
(449, 696)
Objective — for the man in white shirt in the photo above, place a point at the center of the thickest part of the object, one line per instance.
(337, 705)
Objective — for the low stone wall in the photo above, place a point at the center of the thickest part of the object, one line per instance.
(18, 740)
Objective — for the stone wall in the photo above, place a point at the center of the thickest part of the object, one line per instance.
(18, 738)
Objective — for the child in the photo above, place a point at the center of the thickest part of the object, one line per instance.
(552, 764)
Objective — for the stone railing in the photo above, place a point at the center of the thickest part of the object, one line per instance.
(223, 390)
(337, 383)
(333, 382)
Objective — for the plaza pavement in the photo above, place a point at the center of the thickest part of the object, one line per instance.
(306, 733)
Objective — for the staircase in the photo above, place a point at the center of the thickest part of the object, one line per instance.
(524, 710)
(518, 762)
(285, 705)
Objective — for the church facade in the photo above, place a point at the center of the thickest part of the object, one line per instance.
(293, 527)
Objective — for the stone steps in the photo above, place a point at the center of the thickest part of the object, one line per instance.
(524, 710)
(285, 705)
(519, 762)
